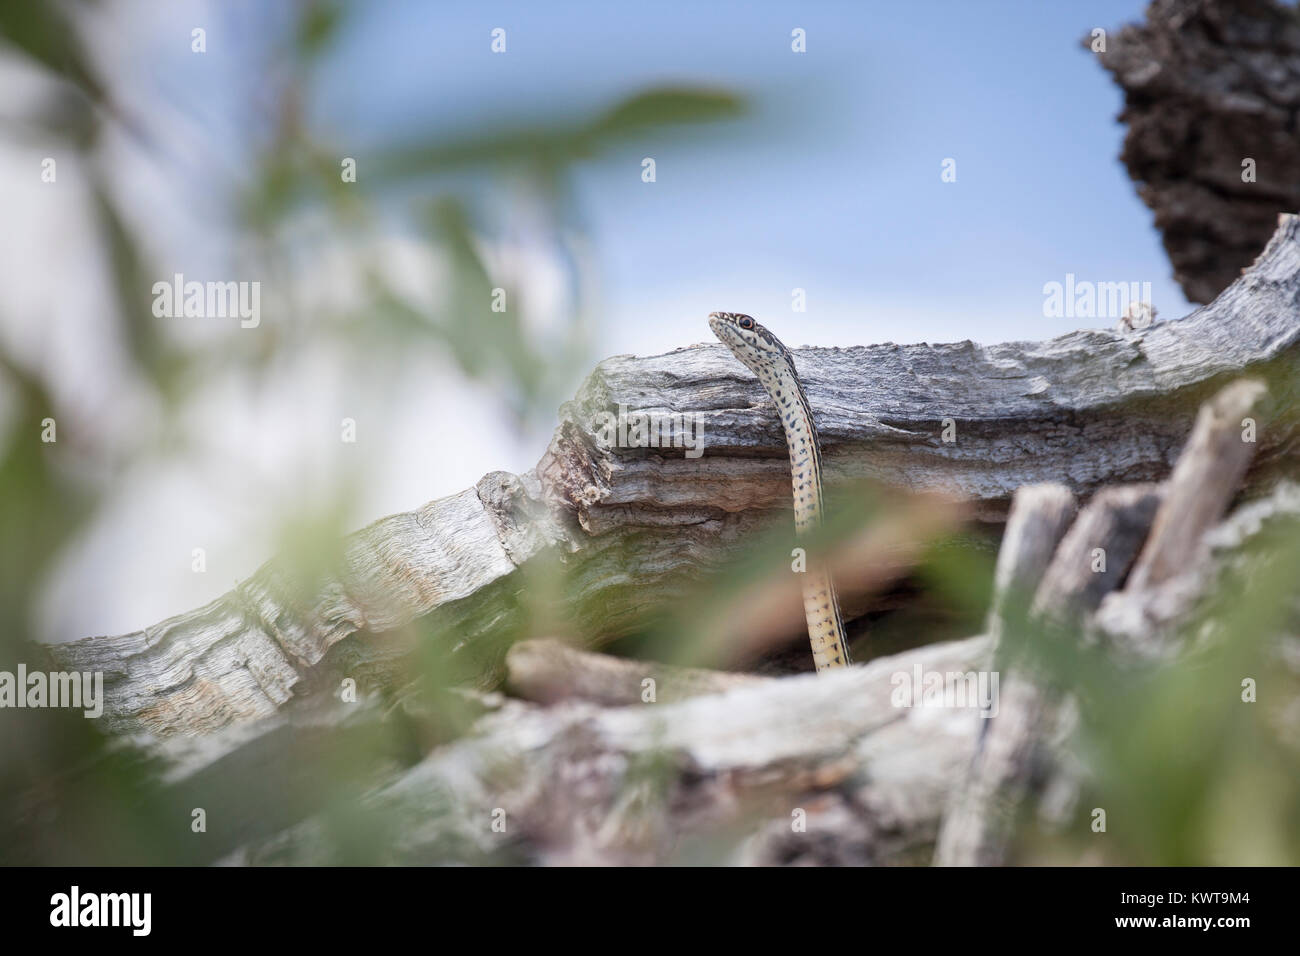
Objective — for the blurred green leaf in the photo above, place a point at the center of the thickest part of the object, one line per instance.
(46, 34)
(318, 25)
(557, 143)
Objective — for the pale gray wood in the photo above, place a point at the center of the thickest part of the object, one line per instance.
(1170, 526)
(1086, 409)
(1040, 516)
(578, 783)
(880, 802)
(1149, 622)
(1097, 552)
(242, 656)
(547, 671)
(1010, 751)
(1207, 476)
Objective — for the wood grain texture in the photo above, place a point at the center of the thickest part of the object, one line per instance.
(1206, 478)
(590, 785)
(1170, 525)
(1147, 619)
(1011, 748)
(585, 782)
(1206, 86)
(1085, 409)
(1040, 516)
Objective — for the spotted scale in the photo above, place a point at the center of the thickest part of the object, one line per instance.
(763, 353)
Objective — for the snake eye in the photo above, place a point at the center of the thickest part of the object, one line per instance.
(745, 322)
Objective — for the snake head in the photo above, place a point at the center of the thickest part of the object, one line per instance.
(754, 345)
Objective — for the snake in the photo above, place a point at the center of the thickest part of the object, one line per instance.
(765, 356)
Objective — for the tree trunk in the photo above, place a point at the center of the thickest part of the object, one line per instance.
(1212, 103)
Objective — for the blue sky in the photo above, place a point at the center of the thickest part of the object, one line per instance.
(834, 186)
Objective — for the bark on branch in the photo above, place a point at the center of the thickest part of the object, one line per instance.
(1212, 102)
(1169, 525)
(1088, 409)
(581, 784)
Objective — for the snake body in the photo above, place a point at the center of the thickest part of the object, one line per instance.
(763, 353)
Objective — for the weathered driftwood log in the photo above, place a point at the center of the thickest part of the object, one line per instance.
(1110, 530)
(1097, 552)
(1212, 103)
(878, 801)
(1040, 516)
(1206, 478)
(1088, 409)
(1174, 568)
(1145, 623)
(575, 783)
(1173, 521)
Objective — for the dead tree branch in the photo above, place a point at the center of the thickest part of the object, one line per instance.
(1089, 408)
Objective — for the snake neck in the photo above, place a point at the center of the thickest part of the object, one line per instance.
(786, 392)
(821, 604)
